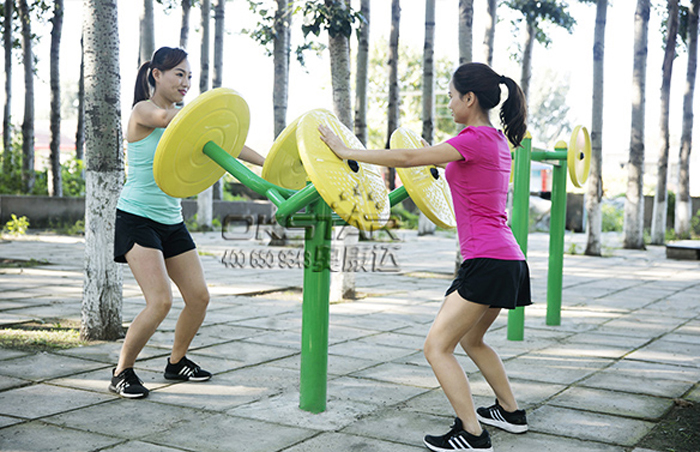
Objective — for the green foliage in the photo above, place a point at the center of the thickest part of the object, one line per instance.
(537, 11)
(548, 117)
(72, 178)
(334, 16)
(695, 224)
(404, 219)
(613, 218)
(16, 226)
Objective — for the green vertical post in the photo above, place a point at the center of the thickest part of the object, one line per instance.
(557, 227)
(315, 310)
(520, 223)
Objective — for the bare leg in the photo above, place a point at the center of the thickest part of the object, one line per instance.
(149, 269)
(488, 361)
(456, 318)
(187, 273)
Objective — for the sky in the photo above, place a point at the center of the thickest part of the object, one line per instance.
(249, 71)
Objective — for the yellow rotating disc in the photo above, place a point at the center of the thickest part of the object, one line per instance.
(180, 168)
(579, 156)
(283, 165)
(355, 191)
(426, 185)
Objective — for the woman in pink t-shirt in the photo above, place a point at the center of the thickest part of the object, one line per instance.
(494, 273)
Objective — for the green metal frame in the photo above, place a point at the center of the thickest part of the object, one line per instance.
(520, 225)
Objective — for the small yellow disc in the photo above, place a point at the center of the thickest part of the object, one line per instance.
(283, 165)
(579, 156)
(354, 190)
(426, 185)
(180, 168)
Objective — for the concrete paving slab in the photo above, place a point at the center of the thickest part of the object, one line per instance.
(337, 365)
(371, 391)
(32, 402)
(6, 353)
(43, 366)
(284, 409)
(670, 352)
(548, 443)
(377, 353)
(11, 382)
(618, 381)
(612, 402)
(98, 380)
(588, 426)
(404, 374)
(223, 432)
(341, 442)
(554, 369)
(38, 436)
(107, 352)
(140, 446)
(405, 427)
(117, 418)
(6, 421)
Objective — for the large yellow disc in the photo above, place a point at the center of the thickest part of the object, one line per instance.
(426, 185)
(579, 156)
(283, 165)
(180, 168)
(355, 191)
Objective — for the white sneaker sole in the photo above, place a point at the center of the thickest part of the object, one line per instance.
(512, 428)
(439, 449)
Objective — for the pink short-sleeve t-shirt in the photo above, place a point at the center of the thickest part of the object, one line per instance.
(479, 186)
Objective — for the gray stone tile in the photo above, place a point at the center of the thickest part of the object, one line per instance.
(612, 402)
(554, 369)
(11, 382)
(669, 352)
(403, 374)
(6, 420)
(29, 402)
(378, 353)
(220, 431)
(38, 436)
(371, 391)
(337, 365)
(98, 380)
(585, 425)
(548, 443)
(341, 442)
(414, 426)
(140, 446)
(43, 366)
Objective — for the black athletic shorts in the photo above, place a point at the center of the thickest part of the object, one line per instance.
(494, 282)
(171, 239)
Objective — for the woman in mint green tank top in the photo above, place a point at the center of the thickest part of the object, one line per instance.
(150, 233)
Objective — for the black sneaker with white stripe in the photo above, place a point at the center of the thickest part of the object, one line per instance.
(186, 370)
(458, 439)
(496, 416)
(127, 384)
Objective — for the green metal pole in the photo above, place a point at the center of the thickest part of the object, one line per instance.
(557, 226)
(315, 311)
(520, 224)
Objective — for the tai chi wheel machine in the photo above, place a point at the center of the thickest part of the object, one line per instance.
(300, 172)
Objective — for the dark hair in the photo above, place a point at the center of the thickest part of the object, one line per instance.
(484, 82)
(163, 59)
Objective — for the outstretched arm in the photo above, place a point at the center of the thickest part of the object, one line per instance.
(439, 155)
(250, 156)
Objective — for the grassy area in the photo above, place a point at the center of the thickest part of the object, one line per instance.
(678, 431)
(38, 338)
(19, 263)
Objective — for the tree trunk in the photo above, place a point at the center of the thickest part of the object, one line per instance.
(429, 72)
(205, 200)
(490, 30)
(80, 129)
(185, 23)
(280, 55)
(684, 211)
(339, 50)
(102, 291)
(633, 236)
(361, 75)
(7, 162)
(28, 176)
(217, 81)
(147, 40)
(658, 220)
(594, 192)
(526, 68)
(55, 82)
(394, 100)
(466, 19)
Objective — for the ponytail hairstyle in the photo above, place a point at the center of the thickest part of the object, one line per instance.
(163, 59)
(484, 82)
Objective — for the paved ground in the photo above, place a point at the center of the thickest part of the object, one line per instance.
(628, 344)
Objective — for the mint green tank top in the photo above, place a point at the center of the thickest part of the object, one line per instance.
(141, 195)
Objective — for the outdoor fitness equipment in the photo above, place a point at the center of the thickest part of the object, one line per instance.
(577, 156)
(201, 143)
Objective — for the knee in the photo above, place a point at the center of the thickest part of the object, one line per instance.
(472, 346)
(161, 307)
(200, 300)
(432, 349)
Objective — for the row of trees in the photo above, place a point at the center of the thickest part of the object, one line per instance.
(334, 21)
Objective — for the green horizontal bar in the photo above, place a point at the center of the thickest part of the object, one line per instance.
(397, 195)
(295, 203)
(540, 155)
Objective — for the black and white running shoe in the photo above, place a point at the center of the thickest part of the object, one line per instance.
(127, 384)
(458, 439)
(186, 370)
(496, 416)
